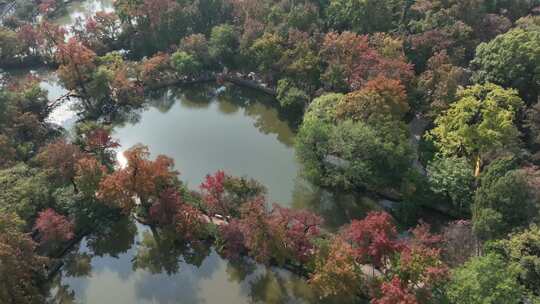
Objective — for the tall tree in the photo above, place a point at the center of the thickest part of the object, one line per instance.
(336, 272)
(363, 16)
(354, 154)
(352, 61)
(453, 178)
(522, 251)
(298, 228)
(60, 159)
(486, 279)
(26, 190)
(223, 44)
(503, 204)
(379, 97)
(511, 60)
(440, 82)
(267, 52)
(20, 267)
(53, 227)
(77, 64)
(395, 292)
(141, 179)
(374, 238)
(224, 194)
(88, 174)
(480, 122)
(185, 64)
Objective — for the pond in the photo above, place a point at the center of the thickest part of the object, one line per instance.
(83, 9)
(203, 128)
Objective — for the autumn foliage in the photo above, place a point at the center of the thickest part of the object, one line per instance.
(99, 32)
(190, 225)
(395, 292)
(336, 273)
(279, 235)
(379, 97)
(60, 158)
(76, 64)
(223, 194)
(19, 263)
(213, 192)
(99, 142)
(374, 238)
(154, 70)
(395, 270)
(88, 174)
(389, 88)
(163, 210)
(232, 240)
(141, 179)
(53, 227)
(358, 61)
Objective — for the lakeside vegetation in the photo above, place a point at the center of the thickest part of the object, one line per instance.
(430, 104)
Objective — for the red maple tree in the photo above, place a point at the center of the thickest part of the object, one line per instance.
(53, 227)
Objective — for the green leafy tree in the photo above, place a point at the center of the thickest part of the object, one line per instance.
(522, 250)
(290, 96)
(323, 108)
(352, 155)
(223, 44)
(363, 16)
(185, 64)
(532, 122)
(11, 46)
(453, 178)
(485, 280)
(511, 60)
(301, 61)
(503, 204)
(25, 191)
(196, 45)
(480, 122)
(267, 52)
(23, 109)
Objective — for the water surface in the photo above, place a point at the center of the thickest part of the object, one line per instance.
(204, 129)
(128, 266)
(237, 132)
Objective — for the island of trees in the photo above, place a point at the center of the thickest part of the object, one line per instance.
(430, 104)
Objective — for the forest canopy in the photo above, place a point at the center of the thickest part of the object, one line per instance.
(424, 106)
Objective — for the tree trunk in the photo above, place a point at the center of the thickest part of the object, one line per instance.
(75, 188)
(477, 166)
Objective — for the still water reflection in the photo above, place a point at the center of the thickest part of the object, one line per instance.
(127, 265)
(83, 9)
(203, 128)
(224, 129)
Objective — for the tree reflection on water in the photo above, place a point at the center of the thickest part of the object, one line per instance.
(132, 263)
